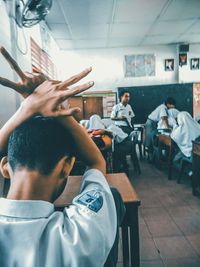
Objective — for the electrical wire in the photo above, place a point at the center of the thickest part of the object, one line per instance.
(17, 36)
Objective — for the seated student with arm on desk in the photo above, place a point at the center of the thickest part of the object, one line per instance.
(172, 120)
(38, 160)
(186, 132)
(123, 114)
(160, 113)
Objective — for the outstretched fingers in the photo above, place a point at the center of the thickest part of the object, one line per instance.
(64, 95)
(8, 83)
(74, 79)
(76, 90)
(12, 63)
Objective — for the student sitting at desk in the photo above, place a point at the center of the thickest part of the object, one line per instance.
(123, 114)
(172, 119)
(186, 131)
(95, 122)
(37, 155)
(122, 143)
(160, 113)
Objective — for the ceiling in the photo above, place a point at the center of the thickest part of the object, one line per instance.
(89, 24)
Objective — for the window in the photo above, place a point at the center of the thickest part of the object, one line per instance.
(40, 60)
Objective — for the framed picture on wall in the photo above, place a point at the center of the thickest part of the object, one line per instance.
(194, 63)
(169, 64)
(182, 59)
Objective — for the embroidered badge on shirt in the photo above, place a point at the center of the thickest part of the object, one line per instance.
(93, 200)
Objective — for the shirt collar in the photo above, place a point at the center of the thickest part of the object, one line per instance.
(122, 105)
(25, 208)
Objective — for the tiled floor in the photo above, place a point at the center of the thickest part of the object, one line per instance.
(169, 220)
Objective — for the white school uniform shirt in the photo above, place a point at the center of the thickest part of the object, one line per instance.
(117, 132)
(158, 113)
(172, 115)
(186, 132)
(95, 123)
(120, 110)
(33, 234)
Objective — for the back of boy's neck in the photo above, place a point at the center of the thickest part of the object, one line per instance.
(29, 186)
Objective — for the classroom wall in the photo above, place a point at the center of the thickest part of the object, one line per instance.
(107, 64)
(185, 73)
(108, 72)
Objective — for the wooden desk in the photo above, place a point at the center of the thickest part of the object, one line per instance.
(166, 140)
(195, 166)
(121, 182)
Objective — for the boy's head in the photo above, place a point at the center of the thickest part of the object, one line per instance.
(124, 97)
(170, 102)
(38, 144)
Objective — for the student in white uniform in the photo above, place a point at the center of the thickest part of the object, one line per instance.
(160, 113)
(123, 114)
(172, 119)
(38, 159)
(186, 132)
(95, 122)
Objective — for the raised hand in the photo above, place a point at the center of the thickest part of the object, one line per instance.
(48, 97)
(45, 100)
(29, 81)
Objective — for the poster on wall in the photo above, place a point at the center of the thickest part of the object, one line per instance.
(182, 59)
(109, 101)
(169, 64)
(194, 63)
(139, 65)
(196, 100)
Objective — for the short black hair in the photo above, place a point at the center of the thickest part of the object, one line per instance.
(38, 144)
(171, 101)
(121, 93)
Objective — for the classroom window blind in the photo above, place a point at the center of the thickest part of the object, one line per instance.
(40, 60)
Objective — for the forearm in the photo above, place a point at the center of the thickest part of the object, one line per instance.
(20, 116)
(86, 148)
(165, 122)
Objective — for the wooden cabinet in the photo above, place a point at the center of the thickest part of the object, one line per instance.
(92, 105)
(96, 103)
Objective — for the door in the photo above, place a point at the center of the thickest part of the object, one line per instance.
(92, 105)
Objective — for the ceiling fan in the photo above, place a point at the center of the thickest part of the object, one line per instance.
(30, 12)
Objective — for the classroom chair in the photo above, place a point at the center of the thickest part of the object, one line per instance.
(186, 166)
(120, 153)
(138, 138)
